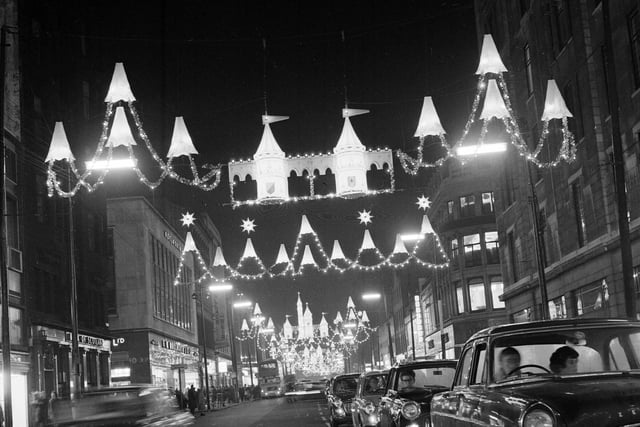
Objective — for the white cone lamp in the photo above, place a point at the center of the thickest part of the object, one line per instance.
(367, 241)
(249, 251)
(119, 89)
(490, 61)
(181, 143)
(307, 257)
(219, 260)
(493, 103)
(189, 244)
(554, 105)
(365, 317)
(429, 122)
(338, 319)
(59, 148)
(426, 226)
(256, 310)
(120, 131)
(282, 258)
(350, 303)
(245, 326)
(399, 247)
(337, 253)
(305, 227)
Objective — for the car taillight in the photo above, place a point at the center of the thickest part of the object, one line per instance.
(538, 417)
(411, 410)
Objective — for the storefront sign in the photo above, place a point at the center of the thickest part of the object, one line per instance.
(65, 337)
(174, 242)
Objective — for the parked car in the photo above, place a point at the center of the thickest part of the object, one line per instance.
(410, 387)
(122, 406)
(343, 390)
(576, 372)
(365, 404)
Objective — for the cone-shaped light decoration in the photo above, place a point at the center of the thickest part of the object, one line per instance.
(324, 327)
(429, 122)
(490, 61)
(365, 317)
(493, 103)
(367, 241)
(120, 131)
(338, 318)
(350, 112)
(305, 227)
(351, 314)
(337, 253)
(266, 119)
(245, 326)
(249, 251)
(268, 145)
(282, 255)
(426, 226)
(256, 310)
(270, 324)
(348, 336)
(348, 139)
(399, 247)
(181, 143)
(307, 257)
(350, 303)
(554, 106)
(189, 244)
(219, 260)
(59, 148)
(119, 89)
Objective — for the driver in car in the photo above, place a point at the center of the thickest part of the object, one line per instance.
(509, 363)
(407, 380)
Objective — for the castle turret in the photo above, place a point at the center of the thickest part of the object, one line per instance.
(350, 157)
(308, 322)
(300, 317)
(270, 165)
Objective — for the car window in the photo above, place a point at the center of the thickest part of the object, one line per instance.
(465, 368)
(344, 387)
(480, 365)
(373, 385)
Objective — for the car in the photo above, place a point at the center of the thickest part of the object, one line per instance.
(570, 372)
(306, 390)
(342, 392)
(410, 387)
(136, 405)
(364, 410)
(269, 390)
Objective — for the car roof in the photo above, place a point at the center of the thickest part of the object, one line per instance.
(371, 373)
(346, 376)
(427, 363)
(550, 324)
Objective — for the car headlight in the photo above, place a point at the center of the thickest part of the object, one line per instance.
(369, 408)
(538, 418)
(411, 410)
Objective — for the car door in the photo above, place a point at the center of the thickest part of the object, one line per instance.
(447, 407)
(386, 402)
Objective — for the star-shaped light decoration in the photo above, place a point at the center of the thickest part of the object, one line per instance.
(365, 217)
(423, 203)
(187, 219)
(248, 226)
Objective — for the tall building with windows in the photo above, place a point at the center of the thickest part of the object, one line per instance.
(565, 40)
(465, 298)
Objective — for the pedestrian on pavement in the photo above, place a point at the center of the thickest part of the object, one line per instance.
(241, 391)
(192, 399)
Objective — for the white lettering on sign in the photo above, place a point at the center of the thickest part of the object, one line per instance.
(118, 341)
(174, 242)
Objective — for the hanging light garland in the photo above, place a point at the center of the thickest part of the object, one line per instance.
(492, 86)
(116, 132)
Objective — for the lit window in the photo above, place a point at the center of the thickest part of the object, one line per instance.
(522, 316)
(467, 205)
(491, 243)
(487, 203)
(592, 297)
(120, 372)
(497, 289)
(472, 250)
(450, 209)
(476, 295)
(460, 298)
(558, 308)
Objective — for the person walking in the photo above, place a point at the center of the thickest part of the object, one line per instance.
(192, 399)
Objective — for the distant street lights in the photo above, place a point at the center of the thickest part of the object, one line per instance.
(219, 288)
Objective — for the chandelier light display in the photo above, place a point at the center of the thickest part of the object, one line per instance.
(348, 163)
(492, 88)
(116, 136)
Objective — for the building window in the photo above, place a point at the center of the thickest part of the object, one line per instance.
(460, 297)
(477, 298)
(472, 250)
(634, 39)
(467, 206)
(562, 21)
(513, 259)
(528, 68)
(636, 278)
(493, 248)
(429, 315)
(558, 308)
(450, 209)
(13, 232)
(16, 326)
(11, 165)
(487, 203)
(454, 248)
(497, 289)
(522, 316)
(578, 210)
(592, 297)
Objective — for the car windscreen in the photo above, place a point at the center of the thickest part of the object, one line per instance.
(374, 384)
(570, 351)
(424, 378)
(345, 387)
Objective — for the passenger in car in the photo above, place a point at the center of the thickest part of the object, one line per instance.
(564, 361)
(407, 380)
(509, 362)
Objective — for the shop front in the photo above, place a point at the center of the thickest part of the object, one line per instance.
(52, 357)
(19, 389)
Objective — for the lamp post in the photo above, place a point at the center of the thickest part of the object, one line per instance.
(219, 287)
(198, 297)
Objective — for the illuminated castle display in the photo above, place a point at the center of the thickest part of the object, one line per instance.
(349, 163)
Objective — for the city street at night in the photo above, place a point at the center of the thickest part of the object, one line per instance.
(269, 412)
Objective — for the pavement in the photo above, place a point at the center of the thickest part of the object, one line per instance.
(268, 412)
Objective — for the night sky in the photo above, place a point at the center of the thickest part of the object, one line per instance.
(206, 62)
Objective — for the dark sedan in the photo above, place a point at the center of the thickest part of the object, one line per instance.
(365, 404)
(578, 372)
(343, 390)
(409, 390)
